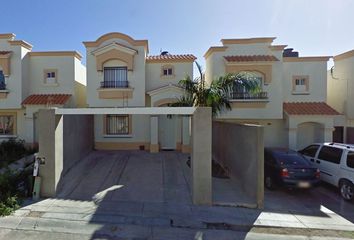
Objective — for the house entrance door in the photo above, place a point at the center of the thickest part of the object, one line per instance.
(167, 133)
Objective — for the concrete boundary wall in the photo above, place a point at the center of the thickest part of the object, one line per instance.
(63, 141)
(78, 139)
(240, 149)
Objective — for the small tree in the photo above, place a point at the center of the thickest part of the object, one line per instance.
(215, 95)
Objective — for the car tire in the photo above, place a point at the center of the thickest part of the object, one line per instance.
(346, 190)
(269, 183)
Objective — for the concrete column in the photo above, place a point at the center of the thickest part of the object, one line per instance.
(328, 134)
(29, 129)
(51, 148)
(186, 134)
(201, 156)
(178, 133)
(154, 134)
(292, 138)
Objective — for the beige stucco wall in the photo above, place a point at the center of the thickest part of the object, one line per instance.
(136, 78)
(65, 67)
(298, 137)
(317, 72)
(275, 131)
(154, 79)
(140, 133)
(14, 80)
(341, 86)
(80, 84)
(272, 108)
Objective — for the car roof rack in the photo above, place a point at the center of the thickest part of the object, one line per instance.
(348, 146)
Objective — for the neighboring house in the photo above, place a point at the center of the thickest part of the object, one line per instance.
(341, 95)
(292, 95)
(120, 73)
(33, 80)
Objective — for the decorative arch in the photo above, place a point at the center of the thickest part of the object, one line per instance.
(118, 35)
(308, 133)
(114, 54)
(164, 101)
(265, 70)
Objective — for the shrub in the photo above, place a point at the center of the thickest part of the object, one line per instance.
(8, 206)
(11, 151)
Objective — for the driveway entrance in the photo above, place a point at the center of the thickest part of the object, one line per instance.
(128, 176)
(67, 135)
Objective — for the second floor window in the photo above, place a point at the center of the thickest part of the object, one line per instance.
(2, 81)
(300, 84)
(115, 77)
(50, 76)
(167, 71)
(248, 86)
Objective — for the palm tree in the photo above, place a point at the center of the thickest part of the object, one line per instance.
(216, 95)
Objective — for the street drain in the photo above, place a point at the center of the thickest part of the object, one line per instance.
(35, 214)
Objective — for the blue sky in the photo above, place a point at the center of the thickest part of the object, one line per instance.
(312, 27)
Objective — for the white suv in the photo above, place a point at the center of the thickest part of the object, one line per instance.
(336, 163)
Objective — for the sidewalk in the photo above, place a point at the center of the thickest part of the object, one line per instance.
(129, 220)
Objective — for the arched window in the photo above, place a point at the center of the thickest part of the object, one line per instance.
(248, 85)
(115, 74)
(2, 81)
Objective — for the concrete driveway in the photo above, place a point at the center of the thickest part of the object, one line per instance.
(135, 176)
(138, 195)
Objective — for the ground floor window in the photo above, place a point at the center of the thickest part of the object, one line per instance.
(117, 124)
(7, 124)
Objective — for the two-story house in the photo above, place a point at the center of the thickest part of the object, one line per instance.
(32, 80)
(341, 96)
(290, 100)
(121, 73)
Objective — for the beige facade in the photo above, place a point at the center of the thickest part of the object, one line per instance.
(120, 73)
(43, 74)
(340, 94)
(283, 77)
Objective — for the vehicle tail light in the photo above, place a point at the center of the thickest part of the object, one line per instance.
(318, 173)
(284, 172)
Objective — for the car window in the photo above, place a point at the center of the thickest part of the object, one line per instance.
(310, 151)
(350, 159)
(330, 154)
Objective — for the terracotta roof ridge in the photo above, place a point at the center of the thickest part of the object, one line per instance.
(250, 58)
(47, 98)
(309, 108)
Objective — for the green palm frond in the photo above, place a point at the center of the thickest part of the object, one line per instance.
(217, 94)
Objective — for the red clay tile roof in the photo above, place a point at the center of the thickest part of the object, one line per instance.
(4, 52)
(309, 108)
(44, 99)
(168, 57)
(251, 58)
